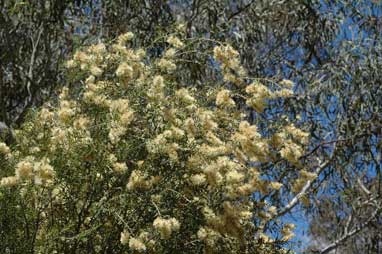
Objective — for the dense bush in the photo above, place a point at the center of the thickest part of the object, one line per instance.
(130, 159)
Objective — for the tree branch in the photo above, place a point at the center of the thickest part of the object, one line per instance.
(240, 10)
(32, 61)
(29, 75)
(303, 192)
(349, 234)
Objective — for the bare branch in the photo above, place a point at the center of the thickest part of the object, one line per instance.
(363, 187)
(303, 192)
(348, 234)
(32, 61)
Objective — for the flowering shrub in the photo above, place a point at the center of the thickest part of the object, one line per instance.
(130, 160)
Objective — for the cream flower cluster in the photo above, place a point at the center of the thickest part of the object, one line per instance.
(301, 181)
(40, 172)
(122, 117)
(175, 42)
(4, 149)
(167, 62)
(166, 226)
(224, 99)
(291, 141)
(287, 232)
(259, 93)
(235, 73)
(230, 63)
(140, 181)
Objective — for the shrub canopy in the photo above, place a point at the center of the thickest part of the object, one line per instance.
(130, 158)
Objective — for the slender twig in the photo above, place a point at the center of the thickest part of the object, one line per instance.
(240, 10)
(332, 142)
(157, 208)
